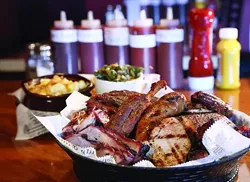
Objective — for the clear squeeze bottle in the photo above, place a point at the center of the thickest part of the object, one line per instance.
(64, 42)
(90, 37)
(142, 43)
(169, 38)
(200, 73)
(116, 38)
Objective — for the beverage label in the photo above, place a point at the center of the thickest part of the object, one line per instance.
(142, 41)
(64, 36)
(116, 36)
(90, 36)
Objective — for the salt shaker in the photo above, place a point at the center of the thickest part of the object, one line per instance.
(31, 62)
(45, 65)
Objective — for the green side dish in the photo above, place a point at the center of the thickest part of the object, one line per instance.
(116, 73)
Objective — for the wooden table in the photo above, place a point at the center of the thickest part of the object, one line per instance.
(41, 159)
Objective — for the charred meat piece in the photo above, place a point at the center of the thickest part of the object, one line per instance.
(137, 148)
(77, 118)
(169, 143)
(102, 138)
(129, 113)
(197, 124)
(109, 102)
(168, 105)
(80, 141)
(213, 103)
(81, 120)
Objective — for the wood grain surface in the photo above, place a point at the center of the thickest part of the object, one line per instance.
(41, 159)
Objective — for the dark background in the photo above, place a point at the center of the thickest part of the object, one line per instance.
(25, 21)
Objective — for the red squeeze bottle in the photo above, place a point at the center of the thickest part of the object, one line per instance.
(116, 38)
(200, 73)
(90, 37)
(142, 42)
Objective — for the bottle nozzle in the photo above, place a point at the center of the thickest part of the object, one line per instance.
(63, 22)
(90, 15)
(143, 15)
(90, 22)
(63, 16)
(118, 15)
(170, 13)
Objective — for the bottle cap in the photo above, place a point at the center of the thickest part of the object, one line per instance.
(118, 20)
(33, 48)
(45, 50)
(169, 21)
(228, 33)
(143, 21)
(45, 47)
(63, 22)
(201, 83)
(91, 22)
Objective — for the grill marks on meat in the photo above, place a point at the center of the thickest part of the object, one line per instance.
(124, 150)
(213, 103)
(109, 102)
(169, 143)
(168, 105)
(129, 113)
(197, 124)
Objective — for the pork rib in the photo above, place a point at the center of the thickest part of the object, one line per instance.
(109, 102)
(137, 148)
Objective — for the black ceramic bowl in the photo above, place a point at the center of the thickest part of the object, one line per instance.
(224, 170)
(52, 103)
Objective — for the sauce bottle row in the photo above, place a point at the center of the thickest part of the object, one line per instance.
(156, 48)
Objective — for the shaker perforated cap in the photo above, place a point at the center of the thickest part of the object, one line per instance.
(63, 22)
(91, 22)
(143, 21)
(228, 33)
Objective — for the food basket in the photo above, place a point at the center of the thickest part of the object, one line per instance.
(224, 170)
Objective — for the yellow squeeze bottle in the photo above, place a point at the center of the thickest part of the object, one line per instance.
(228, 75)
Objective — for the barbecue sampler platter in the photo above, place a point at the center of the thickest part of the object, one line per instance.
(133, 127)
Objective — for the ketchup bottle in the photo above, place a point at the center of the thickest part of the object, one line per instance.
(90, 37)
(64, 42)
(142, 43)
(116, 37)
(169, 38)
(200, 73)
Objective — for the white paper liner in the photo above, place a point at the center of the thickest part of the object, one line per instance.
(221, 141)
(144, 163)
(28, 126)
